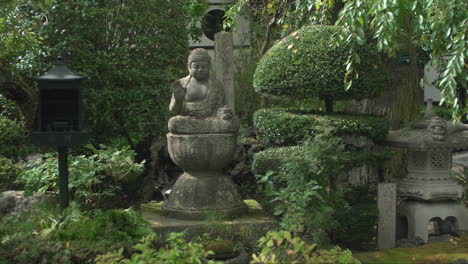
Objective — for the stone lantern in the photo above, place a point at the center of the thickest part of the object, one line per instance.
(429, 191)
(59, 120)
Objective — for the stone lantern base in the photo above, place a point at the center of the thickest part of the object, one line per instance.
(419, 213)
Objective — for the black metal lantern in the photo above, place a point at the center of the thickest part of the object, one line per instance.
(59, 120)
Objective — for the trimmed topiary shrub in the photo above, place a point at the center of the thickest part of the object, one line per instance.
(306, 64)
(274, 158)
(283, 127)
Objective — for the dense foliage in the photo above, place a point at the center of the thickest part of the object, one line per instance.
(357, 217)
(73, 236)
(438, 27)
(307, 64)
(9, 172)
(94, 180)
(176, 250)
(281, 127)
(131, 50)
(279, 247)
(14, 140)
(303, 190)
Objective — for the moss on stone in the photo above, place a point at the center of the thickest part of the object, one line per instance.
(222, 246)
(254, 210)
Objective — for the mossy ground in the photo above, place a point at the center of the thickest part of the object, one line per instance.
(437, 253)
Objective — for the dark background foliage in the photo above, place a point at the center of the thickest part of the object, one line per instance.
(131, 50)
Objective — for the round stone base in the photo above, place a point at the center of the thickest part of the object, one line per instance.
(210, 194)
(201, 215)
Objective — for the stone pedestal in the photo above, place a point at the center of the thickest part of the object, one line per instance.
(419, 213)
(203, 189)
(246, 229)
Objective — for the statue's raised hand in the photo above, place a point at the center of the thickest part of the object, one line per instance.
(178, 90)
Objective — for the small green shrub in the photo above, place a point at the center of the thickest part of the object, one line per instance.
(9, 172)
(73, 236)
(302, 191)
(357, 217)
(8, 108)
(281, 247)
(298, 193)
(282, 127)
(92, 179)
(14, 141)
(307, 64)
(176, 250)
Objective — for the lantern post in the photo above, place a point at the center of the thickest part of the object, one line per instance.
(59, 119)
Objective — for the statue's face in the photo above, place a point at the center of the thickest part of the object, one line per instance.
(437, 131)
(200, 70)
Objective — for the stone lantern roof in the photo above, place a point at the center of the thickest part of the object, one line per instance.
(430, 132)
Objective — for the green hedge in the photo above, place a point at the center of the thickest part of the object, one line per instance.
(287, 126)
(272, 159)
(305, 65)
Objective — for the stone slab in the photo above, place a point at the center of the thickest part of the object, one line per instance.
(246, 229)
(224, 65)
(387, 201)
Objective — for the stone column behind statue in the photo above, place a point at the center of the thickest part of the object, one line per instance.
(202, 141)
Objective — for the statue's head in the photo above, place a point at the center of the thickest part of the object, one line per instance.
(437, 129)
(199, 64)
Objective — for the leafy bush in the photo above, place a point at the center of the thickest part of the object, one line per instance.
(282, 127)
(8, 108)
(14, 141)
(357, 216)
(9, 172)
(48, 236)
(278, 247)
(307, 64)
(300, 191)
(176, 250)
(303, 192)
(92, 179)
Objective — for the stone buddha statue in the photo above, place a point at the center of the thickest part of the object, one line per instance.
(202, 140)
(198, 101)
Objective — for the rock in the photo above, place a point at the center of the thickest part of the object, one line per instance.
(460, 261)
(8, 201)
(239, 168)
(410, 243)
(14, 202)
(442, 238)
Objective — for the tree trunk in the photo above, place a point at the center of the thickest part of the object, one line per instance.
(399, 104)
(328, 105)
